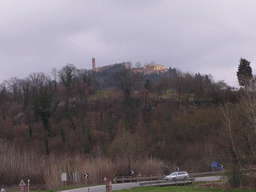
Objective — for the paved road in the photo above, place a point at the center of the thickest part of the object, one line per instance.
(101, 188)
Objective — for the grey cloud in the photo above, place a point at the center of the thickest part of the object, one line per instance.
(194, 36)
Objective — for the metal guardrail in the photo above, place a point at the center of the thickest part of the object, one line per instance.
(168, 182)
(123, 179)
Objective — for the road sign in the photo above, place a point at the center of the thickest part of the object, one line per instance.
(86, 175)
(177, 169)
(139, 174)
(132, 172)
(220, 167)
(63, 176)
(28, 184)
(214, 164)
(22, 188)
(105, 179)
(22, 183)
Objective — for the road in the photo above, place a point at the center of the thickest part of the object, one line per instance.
(115, 187)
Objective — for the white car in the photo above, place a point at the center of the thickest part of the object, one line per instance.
(177, 176)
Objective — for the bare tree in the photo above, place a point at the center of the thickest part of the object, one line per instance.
(66, 75)
(126, 81)
(82, 89)
(127, 148)
(162, 85)
(54, 73)
(14, 85)
(138, 65)
(248, 108)
(229, 130)
(178, 83)
(37, 81)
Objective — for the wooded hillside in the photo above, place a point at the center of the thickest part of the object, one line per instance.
(185, 120)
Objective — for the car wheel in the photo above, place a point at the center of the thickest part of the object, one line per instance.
(174, 179)
(185, 177)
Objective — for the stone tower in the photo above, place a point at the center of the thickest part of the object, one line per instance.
(93, 64)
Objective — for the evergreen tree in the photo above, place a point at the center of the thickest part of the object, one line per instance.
(42, 108)
(244, 73)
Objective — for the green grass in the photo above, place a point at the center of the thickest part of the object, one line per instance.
(50, 190)
(181, 189)
(161, 189)
(191, 188)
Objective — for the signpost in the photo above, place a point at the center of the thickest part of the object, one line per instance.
(108, 186)
(214, 165)
(64, 178)
(28, 184)
(220, 167)
(86, 175)
(132, 172)
(75, 177)
(3, 189)
(22, 185)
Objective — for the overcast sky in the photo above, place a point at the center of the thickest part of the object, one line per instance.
(195, 36)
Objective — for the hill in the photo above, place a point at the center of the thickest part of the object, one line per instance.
(118, 115)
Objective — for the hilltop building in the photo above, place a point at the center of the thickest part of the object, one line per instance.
(98, 69)
(150, 68)
(93, 64)
(147, 69)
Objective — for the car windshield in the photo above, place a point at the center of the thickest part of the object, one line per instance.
(173, 174)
